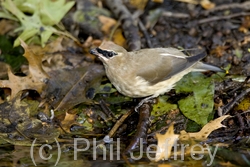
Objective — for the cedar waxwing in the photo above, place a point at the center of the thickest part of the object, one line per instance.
(147, 72)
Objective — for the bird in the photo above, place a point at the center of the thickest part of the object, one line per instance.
(147, 73)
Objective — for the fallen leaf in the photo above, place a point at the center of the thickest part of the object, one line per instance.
(158, 1)
(244, 105)
(67, 88)
(118, 38)
(6, 26)
(162, 107)
(198, 105)
(139, 4)
(107, 23)
(51, 47)
(189, 1)
(68, 121)
(245, 26)
(43, 15)
(219, 51)
(168, 140)
(165, 143)
(206, 4)
(3, 70)
(19, 123)
(35, 80)
(205, 131)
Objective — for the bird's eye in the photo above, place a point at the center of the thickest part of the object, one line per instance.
(106, 53)
(110, 54)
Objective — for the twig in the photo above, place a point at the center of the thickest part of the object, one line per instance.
(131, 31)
(116, 126)
(230, 105)
(244, 6)
(142, 128)
(240, 119)
(144, 31)
(106, 109)
(216, 18)
(176, 15)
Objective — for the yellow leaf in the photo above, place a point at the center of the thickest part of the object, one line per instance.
(118, 38)
(206, 4)
(139, 4)
(165, 143)
(205, 131)
(169, 139)
(107, 23)
(68, 121)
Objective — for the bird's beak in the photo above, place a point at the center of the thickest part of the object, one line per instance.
(98, 54)
(94, 52)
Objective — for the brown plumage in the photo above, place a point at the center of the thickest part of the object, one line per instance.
(147, 72)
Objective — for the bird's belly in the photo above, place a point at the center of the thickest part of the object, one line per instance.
(138, 87)
(130, 87)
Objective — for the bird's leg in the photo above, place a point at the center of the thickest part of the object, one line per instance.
(145, 100)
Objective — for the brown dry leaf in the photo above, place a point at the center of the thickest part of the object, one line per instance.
(35, 80)
(107, 23)
(6, 26)
(246, 40)
(165, 165)
(205, 131)
(189, 1)
(139, 4)
(206, 4)
(219, 50)
(165, 143)
(245, 25)
(51, 55)
(3, 70)
(52, 47)
(68, 88)
(118, 38)
(68, 121)
(158, 1)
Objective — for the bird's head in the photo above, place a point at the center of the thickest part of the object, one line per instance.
(109, 52)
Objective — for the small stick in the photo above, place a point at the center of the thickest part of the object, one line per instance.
(116, 126)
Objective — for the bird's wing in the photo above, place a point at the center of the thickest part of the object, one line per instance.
(165, 64)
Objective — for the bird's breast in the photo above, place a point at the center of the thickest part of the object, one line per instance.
(127, 83)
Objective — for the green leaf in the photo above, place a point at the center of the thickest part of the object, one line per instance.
(42, 16)
(162, 107)
(26, 34)
(198, 106)
(53, 11)
(107, 88)
(7, 16)
(12, 56)
(45, 35)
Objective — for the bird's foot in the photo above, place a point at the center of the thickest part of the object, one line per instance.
(146, 100)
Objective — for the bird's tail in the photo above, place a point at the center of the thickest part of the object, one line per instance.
(206, 67)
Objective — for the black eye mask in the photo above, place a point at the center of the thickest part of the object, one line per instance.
(107, 54)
